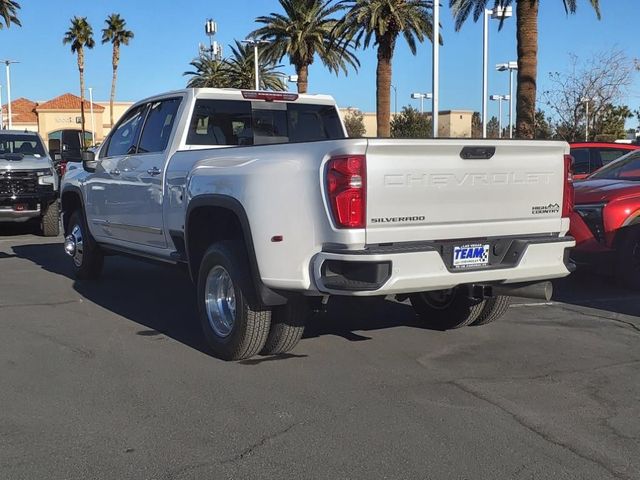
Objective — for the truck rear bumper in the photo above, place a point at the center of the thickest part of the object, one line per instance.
(369, 274)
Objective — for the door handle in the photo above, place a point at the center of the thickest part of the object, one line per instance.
(154, 171)
(115, 171)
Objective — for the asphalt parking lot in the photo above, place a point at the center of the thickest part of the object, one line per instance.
(112, 380)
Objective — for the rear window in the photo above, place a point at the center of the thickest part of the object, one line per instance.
(27, 145)
(236, 122)
(581, 161)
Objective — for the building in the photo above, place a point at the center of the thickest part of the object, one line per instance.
(451, 123)
(60, 113)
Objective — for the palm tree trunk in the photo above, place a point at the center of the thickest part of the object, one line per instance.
(303, 78)
(383, 85)
(81, 69)
(527, 33)
(115, 62)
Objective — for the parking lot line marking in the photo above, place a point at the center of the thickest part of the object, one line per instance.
(536, 304)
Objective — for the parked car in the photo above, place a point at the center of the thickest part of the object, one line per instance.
(28, 183)
(271, 207)
(606, 222)
(67, 146)
(590, 156)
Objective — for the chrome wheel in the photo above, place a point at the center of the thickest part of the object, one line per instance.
(74, 245)
(220, 301)
(439, 299)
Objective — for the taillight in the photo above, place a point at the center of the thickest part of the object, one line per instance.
(347, 188)
(568, 194)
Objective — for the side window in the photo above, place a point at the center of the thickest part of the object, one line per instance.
(221, 122)
(581, 162)
(158, 126)
(125, 136)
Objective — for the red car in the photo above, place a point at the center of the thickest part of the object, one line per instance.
(589, 157)
(606, 219)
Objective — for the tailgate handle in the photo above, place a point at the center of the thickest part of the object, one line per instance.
(477, 153)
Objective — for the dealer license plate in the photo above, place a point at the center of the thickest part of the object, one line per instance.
(467, 256)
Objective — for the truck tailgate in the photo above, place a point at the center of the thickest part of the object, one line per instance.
(420, 190)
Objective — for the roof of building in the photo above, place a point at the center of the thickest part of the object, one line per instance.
(22, 111)
(68, 101)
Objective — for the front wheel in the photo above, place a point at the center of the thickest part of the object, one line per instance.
(628, 259)
(80, 246)
(446, 309)
(232, 328)
(50, 221)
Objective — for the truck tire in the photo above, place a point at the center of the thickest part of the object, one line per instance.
(233, 330)
(627, 269)
(494, 308)
(287, 326)
(50, 221)
(87, 257)
(446, 309)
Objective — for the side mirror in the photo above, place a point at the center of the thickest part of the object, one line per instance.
(88, 156)
(54, 145)
(89, 162)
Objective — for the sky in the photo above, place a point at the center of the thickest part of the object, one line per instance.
(167, 34)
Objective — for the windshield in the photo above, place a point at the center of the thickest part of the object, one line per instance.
(232, 122)
(625, 168)
(25, 144)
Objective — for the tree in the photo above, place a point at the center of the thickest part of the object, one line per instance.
(241, 70)
(305, 31)
(527, 38)
(476, 125)
(610, 125)
(543, 126)
(354, 123)
(116, 33)
(9, 13)
(382, 22)
(209, 73)
(493, 128)
(598, 82)
(80, 35)
(410, 123)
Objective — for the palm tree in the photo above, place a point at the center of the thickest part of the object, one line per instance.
(8, 12)
(209, 73)
(383, 21)
(302, 32)
(241, 70)
(80, 35)
(527, 37)
(115, 32)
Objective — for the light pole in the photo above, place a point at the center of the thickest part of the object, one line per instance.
(498, 13)
(435, 85)
(500, 99)
(511, 67)
(421, 97)
(586, 101)
(395, 108)
(1, 113)
(255, 42)
(8, 67)
(93, 123)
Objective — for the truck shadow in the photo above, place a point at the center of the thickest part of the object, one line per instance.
(161, 299)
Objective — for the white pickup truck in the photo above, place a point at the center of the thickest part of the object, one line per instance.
(273, 209)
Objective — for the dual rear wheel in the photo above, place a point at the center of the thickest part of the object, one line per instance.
(233, 329)
(454, 308)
